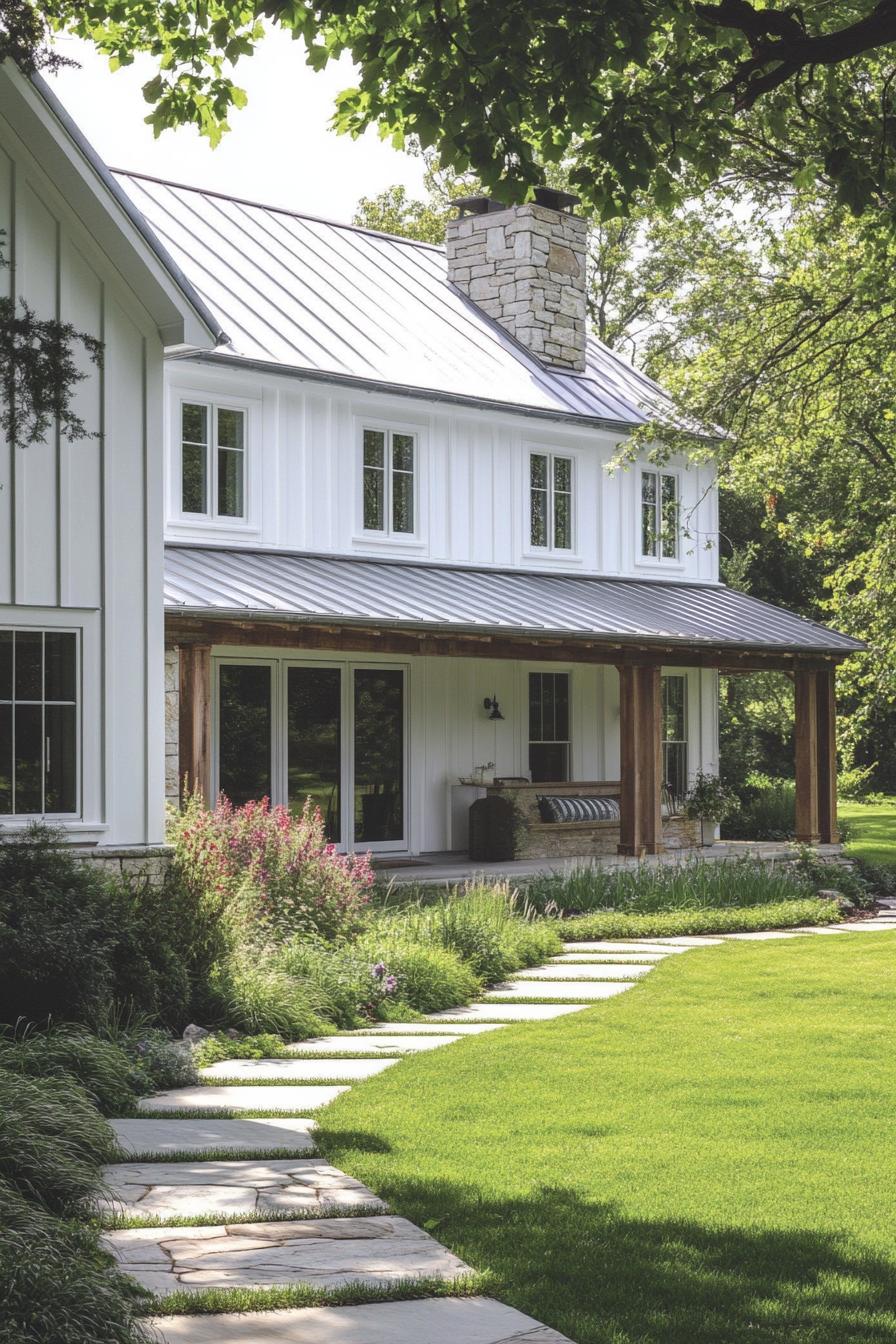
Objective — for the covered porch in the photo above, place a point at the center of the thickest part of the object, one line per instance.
(412, 653)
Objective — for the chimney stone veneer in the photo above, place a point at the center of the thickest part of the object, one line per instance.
(525, 267)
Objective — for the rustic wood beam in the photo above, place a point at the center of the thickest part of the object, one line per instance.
(195, 703)
(184, 630)
(806, 713)
(826, 739)
(640, 822)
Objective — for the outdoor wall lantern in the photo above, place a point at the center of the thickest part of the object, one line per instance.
(492, 705)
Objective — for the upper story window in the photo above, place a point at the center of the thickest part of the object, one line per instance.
(659, 515)
(389, 471)
(38, 723)
(550, 501)
(213, 460)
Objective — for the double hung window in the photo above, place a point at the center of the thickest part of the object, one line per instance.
(213, 460)
(675, 737)
(549, 726)
(38, 723)
(550, 501)
(389, 469)
(659, 515)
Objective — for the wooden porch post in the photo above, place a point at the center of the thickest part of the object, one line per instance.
(640, 745)
(195, 707)
(807, 756)
(826, 707)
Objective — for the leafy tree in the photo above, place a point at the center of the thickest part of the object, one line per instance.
(638, 98)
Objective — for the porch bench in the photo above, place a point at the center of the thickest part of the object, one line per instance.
(531, 837)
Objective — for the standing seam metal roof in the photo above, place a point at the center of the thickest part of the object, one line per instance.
(301, 293)
(240, 583)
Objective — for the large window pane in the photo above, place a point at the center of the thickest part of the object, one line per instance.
(562, 522)
(669, 517)
(244, 732)
(60, 781)
(231, 429)
(60, 670)
(29, 648)
(28, 760)
(5, 759)
(402, 502)
(379, 755)
(675, 737)
(374, 480)
(314, 712)
(6, 638)
(649, 536)
(230, 483)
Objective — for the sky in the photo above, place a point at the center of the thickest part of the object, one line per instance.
(279, 151)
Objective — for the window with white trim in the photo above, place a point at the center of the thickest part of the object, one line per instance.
(213, 460)
(675, 737)
(549, 735)
(550, 501)
(659, 515)
(38, 723)
(389, 468)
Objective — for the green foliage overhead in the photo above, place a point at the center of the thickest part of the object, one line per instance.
(638, 97)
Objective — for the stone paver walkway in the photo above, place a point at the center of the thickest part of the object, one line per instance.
(330, 1230)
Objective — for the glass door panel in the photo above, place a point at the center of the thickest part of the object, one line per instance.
(314, 742)
(378, 756)
(244, 732)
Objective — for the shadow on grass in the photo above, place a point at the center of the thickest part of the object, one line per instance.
(602, 1278)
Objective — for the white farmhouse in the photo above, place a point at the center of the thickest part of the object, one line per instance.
(398, 573)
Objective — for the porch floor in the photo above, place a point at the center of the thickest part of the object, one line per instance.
(451, 868)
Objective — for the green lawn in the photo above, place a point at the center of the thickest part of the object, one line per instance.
(707, 1159)
(872, 829)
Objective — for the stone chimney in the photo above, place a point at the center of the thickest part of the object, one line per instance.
(524, 265)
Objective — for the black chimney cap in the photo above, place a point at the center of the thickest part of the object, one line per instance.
(478, 205)
(556, 200)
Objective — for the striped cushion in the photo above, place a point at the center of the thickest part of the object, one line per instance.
(555, 807)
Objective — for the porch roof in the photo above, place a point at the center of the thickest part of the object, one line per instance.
(202, 581)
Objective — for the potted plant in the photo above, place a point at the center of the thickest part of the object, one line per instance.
(709, 802)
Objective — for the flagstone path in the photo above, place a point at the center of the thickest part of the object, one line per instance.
(245, 1202)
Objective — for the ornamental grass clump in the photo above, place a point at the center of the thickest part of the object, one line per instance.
(353, 987)
(271, 868)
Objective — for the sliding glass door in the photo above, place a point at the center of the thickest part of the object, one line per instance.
(333, 733)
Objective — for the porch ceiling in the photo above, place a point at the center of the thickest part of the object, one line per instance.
(215, 582)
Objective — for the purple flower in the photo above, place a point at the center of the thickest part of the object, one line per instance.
(390, 984)
(379, 970)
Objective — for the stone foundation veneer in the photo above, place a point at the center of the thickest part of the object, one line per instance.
(142, 863)
(525, 267)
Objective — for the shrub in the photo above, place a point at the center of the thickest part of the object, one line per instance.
(767, 810)
(254, 993)
(102, 1069)
(71, 940)
(271, 868)
(428, 978)
(688, 886)
(352, 987)
(679, 923)
(212, 1049)
(57, 1286)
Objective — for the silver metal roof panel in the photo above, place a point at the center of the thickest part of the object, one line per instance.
(297, 293)
(213, 581)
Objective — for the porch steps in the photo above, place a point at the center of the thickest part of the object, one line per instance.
(246, 1203)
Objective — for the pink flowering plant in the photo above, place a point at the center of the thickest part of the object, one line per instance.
(273, 868)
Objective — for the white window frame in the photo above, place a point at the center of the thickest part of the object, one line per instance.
(213, 404)
(555, 552)
(17, 820)
(656, 557)
(388, 533)
(553, 669)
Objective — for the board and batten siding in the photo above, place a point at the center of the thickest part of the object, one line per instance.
(304, 481)
(80, 534)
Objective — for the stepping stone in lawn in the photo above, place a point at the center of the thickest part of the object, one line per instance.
(566, 989)
(698, 940)
(286, 1098)
(649, 945)
(609, 958)
(188, 1189)
(404, 1045)
(870, 926)
(763, 936)
(434, 1320)
(306, 1069)
(431, 1028)
(322, 1252)
(198, 1136)
(509, 1012)
(602, 971)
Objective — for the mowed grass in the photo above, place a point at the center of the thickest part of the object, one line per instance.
(872, 831)
(706, 1159)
